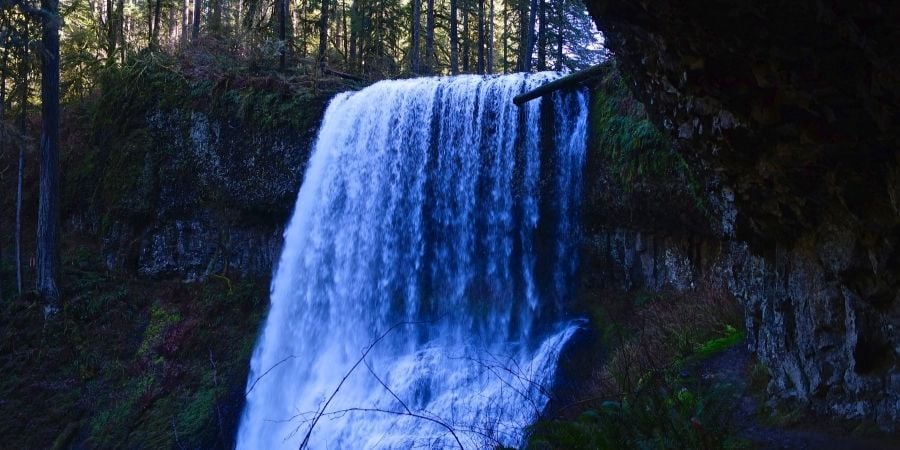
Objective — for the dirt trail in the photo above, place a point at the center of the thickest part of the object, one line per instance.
(733, 365)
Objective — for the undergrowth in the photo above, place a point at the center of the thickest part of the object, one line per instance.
(126, 361)
(641, 396)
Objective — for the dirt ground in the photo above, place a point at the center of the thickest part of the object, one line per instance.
(810, 432)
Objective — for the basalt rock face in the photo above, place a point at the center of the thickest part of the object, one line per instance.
(212, 198)
(791, 110)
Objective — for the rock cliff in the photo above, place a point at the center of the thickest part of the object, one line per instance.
(787, 113)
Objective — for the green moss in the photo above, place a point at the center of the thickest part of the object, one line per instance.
(731, 337)
(198, 414)
(160, 321)
(636, 151)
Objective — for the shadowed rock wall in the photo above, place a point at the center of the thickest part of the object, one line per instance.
(788, 111)
(204, 195)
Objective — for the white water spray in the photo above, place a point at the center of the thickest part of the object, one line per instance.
(438, 210)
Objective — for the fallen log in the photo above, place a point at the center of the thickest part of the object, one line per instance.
(565, 82)
(344, 75)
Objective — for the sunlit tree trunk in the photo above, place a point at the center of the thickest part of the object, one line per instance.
(173, 26)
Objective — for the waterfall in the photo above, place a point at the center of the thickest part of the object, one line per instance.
(435, 233)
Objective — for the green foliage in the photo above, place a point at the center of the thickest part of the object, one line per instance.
(126, 359)
(637, 396)
(638, 154)
(731, 336)
(666, 412)
(160, 322)
(624, 133)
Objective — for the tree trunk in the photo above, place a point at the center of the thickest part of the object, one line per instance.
(173, 26)
(185, 18)
(490, 38)
(282, 17)
(454, 39)
(467, 40)
(48, 197)
(542, 36)
(567, 82)
(354, 34)
(123, 44)
(522, 64)
(414, 37)
(429, 38)
(238, 16)
(154, 30)
(346, 35)
(20, 174)
(479, 65)
(2, 132)
(529, 43)
(112, 34)
(560, 36)
(195, 26)
(215, 20)
(323, 33)
(505, 36)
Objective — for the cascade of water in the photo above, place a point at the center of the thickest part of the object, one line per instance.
(438, 205)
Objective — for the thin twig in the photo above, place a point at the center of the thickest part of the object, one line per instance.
(385, 386)
(305, 443)
(399, 413)
(253, 385)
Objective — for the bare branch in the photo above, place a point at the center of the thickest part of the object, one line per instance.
(305, 443)
(385, 386)
(407, 413)
(253, 385)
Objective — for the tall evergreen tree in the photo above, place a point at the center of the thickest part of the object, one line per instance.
(414, 36)
(429, 38)
(454, 38)
(48, 194)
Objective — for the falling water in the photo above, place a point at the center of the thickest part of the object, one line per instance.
(419, 296)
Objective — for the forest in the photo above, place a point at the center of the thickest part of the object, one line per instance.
(489, 224)
(56, 55)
